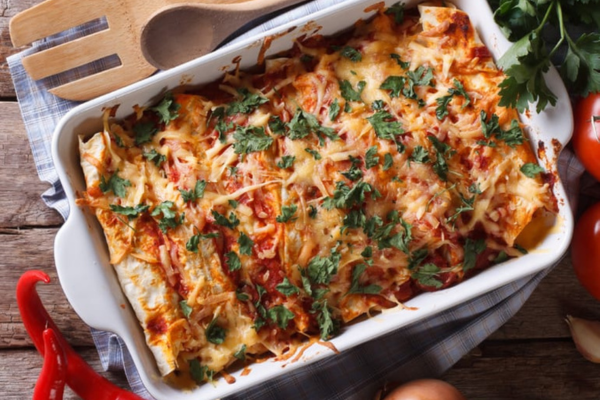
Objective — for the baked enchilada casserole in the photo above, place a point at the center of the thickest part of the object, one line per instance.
(259, 214)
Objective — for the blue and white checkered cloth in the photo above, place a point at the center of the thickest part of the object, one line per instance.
(426, 349)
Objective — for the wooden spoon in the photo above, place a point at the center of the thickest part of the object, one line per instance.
(123, 37)
(179, 33)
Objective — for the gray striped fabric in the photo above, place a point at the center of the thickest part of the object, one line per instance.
(426, 349)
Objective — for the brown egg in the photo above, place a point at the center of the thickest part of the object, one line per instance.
(425, 389)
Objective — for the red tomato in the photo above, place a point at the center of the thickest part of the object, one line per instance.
(585, 250)
(586, 141)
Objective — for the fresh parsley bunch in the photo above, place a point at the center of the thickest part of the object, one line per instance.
(575, 49)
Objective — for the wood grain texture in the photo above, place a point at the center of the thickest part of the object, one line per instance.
(19, 369)
(8, 9)
(20, 199)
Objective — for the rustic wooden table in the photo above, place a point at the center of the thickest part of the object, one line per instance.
(531, 357)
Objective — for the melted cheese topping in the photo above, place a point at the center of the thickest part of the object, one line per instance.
(350, 175)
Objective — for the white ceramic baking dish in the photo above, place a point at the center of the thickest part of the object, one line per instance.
(81, 254)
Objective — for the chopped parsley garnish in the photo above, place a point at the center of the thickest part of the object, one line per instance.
(241, 296)
(382, 234)
(417, 257)
(245, 244)
(458, 90)
(334, 110)
(427, 275)
(388, 161)
(354, 173)
(501, 257)
(155, 157)
(356, 218)
(312, 211)
(397, 10)
(169, 217)
(384, 125)
(512, 137)
(443, 151)
(467, 205)
(287, 213)
(214, 333)
(313, 153)
(420, 77)
(194, 194)
(251, 139)
(198, 372)
(303, 123)
(350, 53)
(115, 184)
(281, 315)
(233, 203)
(377, 105)
(371, 158)
(472, 249)
(395, 84)
(276, 125)
(348, 92)
(475, 188)
(320, 270)
(248, 103)
(531, 170)
(287, 288)
(129, 212)
(402, 64)
(327, 324)
(241, 353)
(233, 261)
(419, 155)
(194, 241)
(185, 308)
(521, 249)
(221, 220)
(346, 197)
(221, 126)
(286, 162)
(356, 287)
(167, 109)
(144, 131)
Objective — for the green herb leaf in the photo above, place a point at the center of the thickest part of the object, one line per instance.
(472, 249)
(354, 173)
(287, 288)
(420, 155)
(245, 244)
(169, 217)
(346, 197)
(286, 162)
(251, 139)
(531, 170)
(248, 103)
(384, 125)
(193, 242)
(144, 131)
(281, 315)
(214, 333)
(155, 157)
(221, 220)
(348, 92)
(334, 110)
(397, 10)
(241, 353)
(356, 287)
(371, 158)
(395, 84)
(185, 309)
(167, 109)
(312, 211)
(194, 194)
(129, 212)
(233, 261)
(287, 214)
(327, 324)
(115, 184)
(320, 270)
(443, 151)
(233, 203)
(388, 161)
(197, 371)
(351, 53)
(276, 125)
(427, 275)
(402, 64)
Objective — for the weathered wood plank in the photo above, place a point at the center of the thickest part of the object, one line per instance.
(33, 249)
(526, 370)
(20, 200)
(8, 9)
(20, 368)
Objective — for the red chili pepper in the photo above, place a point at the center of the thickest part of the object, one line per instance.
(84, 381)
(51, 383)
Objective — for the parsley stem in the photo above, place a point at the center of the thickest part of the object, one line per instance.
(548, 11)
(563, 32)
